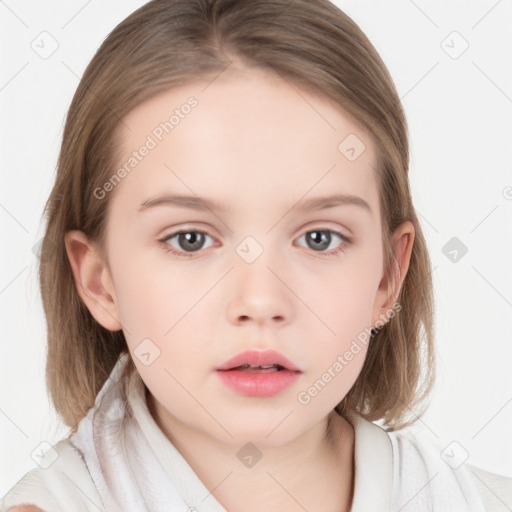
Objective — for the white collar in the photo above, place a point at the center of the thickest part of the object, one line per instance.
(373, 458)
(135, 467)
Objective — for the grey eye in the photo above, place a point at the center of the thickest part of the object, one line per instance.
(188, 241)
(320, 239)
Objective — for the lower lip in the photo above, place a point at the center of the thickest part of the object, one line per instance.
(258, 384)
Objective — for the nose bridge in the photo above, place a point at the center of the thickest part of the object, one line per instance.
(260, 257)
(259, 292)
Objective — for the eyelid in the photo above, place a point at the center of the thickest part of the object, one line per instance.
(164, 240)
(345, 241)
(186, 228)
(319, 225)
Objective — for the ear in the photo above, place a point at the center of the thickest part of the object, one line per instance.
(402, 241)
(92, 278)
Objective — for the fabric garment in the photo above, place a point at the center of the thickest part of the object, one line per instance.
(119, 460)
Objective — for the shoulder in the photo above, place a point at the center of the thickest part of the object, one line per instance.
(57, 484)
(496, 490)
(443, 476)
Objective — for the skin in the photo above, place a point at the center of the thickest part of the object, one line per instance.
(259, 145)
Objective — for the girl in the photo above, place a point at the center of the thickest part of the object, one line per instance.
(235, 280)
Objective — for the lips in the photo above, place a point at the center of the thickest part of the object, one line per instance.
(259, 358)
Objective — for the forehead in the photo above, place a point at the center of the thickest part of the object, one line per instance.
(248, 135)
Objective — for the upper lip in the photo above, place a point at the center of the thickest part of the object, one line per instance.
(259, 358)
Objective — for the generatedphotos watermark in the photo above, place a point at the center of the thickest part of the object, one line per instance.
(362, 339)
(152, 140)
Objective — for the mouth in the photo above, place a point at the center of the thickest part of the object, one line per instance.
(258, 381)
(254, 361)
(249, 368)
(254, 373)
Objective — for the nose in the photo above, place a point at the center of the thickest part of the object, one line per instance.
(260, 293)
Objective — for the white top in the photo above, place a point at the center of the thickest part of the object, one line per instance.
(120, 460)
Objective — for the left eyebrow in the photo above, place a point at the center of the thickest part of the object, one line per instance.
(203, 204)
(322, 203)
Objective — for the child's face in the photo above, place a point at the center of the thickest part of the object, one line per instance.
(260, 148)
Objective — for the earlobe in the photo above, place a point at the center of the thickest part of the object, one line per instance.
(92, 279)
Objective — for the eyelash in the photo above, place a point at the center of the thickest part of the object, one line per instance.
(164, 242)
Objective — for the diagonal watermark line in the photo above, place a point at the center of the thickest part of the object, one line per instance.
(492, 81)
(78, 487)
(427, 221)
(286, 491)
(280, 423)
(284, 9)
(424, 424)
(3, 3)
(301, 300)
(12, 280)
(76, 14)
(418, 418)
(484, 218)
(424, 14)
(508, 508)
(305, 193)
(216, 487)
(14, 423)
(14, 218)
(289, 83)
(491, 286)
(199, 300)
(225, 224)
(421, 79)
(216, 76)
(199, 403)
(428, 483)
(485, 15)
(14, 76)
(2, 498)
(506, 403)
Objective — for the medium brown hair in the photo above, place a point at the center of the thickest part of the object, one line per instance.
(168, 43)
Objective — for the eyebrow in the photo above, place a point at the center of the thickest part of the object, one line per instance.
(204, 204)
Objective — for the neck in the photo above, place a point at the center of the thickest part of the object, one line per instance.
(317, 466)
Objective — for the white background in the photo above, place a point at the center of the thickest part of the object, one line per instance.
(459, 112)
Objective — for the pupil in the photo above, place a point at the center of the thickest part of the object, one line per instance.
(317, 236)
(193, 238)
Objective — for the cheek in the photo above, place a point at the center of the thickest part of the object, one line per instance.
(343, 304)
(349, 321)
(162, 313)
(149, 289)
(343, 295)
(338, 357)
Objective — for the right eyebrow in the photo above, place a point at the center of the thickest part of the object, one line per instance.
(181, 201)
